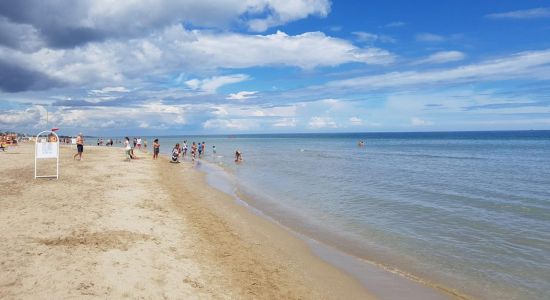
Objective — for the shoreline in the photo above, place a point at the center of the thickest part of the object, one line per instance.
(370, 273)
(109, 228)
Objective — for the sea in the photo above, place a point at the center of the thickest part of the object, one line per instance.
(467, 212)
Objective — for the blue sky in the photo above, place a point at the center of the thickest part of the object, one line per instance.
(259, 66)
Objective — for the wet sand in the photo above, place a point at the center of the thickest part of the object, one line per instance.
(145, 229)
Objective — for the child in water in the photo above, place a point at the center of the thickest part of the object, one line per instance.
(238, 156)
(176, 153)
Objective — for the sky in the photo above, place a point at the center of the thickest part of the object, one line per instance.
(167, 67)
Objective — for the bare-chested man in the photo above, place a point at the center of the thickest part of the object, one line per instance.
(79, 146)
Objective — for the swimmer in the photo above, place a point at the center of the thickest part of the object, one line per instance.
(238, 156)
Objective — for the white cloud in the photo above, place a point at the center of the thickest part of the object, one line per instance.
(285, 122)
(211, 85)
(395, 24)
(355, 121)
(429, 37)
(322, 122)
(333, 104)
(241, 96)
(307, 50)
(106, 90)
(116, 62)
(21, 36)
(420, 122)
(442, 57)
(231, 124)
(115, 19)
(543, 12)
(240, 111)
(367, 37)
(532, 64)
(153, 115)
(283, 11)
(34, 117)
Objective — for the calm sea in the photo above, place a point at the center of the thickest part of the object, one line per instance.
(466, 210)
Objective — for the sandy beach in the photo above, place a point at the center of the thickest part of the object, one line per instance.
(145, 229)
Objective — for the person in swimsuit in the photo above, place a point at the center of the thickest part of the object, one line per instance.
(176, 153)
(193, 151)
(156, 148)
(184, 149)
(238, 156)
(79, 146)
(127, 148)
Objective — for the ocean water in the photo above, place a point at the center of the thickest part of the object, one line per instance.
(469, 211)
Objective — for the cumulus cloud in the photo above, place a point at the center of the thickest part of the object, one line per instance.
(174, 49)
(285, 122)
(282, 12)
(113, 89)
(534, 13)
(32, 117)
(66, 24)
(231, 124)
(153, 115)
(234, 50)
(241, 111)
(19, 36)
(322, 122)
(355, 121)
(442, 57)
(394, 24)
(420, 122)
(531, 64)
(368, 37)
(18, 77)
(241, 96)
(211, 85)
(429, 37)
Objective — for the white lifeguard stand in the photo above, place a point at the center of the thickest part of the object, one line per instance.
(46, 149)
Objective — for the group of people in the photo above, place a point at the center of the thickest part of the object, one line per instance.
(7, 140)
(197, 150)
(109, 142)
(137, 143)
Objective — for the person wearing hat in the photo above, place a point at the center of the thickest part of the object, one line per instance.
(79, 146)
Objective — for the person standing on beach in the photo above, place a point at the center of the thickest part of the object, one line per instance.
(139, 143)
(184, 149)
(127, 148)
(156, 148)
(79, 146)
(193, 151)
(200, 150)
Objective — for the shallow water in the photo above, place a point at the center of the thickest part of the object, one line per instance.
(469, 211)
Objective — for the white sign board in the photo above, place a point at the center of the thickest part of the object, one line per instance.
(46, 147)
(47, 150)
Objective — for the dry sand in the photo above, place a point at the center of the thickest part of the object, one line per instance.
(145, 229)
